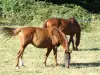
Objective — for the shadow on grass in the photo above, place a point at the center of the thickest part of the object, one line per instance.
(90, 49)
(83, 65)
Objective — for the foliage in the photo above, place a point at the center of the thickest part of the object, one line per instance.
(35, 13)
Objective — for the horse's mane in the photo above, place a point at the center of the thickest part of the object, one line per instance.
(45, 25)
(60, 37)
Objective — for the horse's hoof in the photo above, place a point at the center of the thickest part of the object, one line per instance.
(45, 64)
(77, 49)
(23, 65)
(57, 64)
(74, 49)
(17, 68)
(66, 66)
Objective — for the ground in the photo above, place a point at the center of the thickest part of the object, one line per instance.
(86, 61)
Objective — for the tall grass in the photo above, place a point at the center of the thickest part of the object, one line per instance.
(35, 13)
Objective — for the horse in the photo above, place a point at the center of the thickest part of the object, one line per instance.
(68, 26)
(49, 38)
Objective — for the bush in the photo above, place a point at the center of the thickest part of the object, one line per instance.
(35, 13)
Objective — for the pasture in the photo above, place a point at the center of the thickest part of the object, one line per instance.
(86, 61)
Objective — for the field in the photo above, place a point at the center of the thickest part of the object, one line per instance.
(86, 61)
(17, 13)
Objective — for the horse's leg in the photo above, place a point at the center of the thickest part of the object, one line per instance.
(55, 55)
(47, 54)
(67, 58)
(71, 40)
(20, 53)
(78, 35)
(21, 63)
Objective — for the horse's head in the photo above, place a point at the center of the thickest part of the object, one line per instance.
(67, 58)
(58, 37)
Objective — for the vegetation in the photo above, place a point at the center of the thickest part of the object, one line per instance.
(86, 61)
(29, 12)
(91, 5)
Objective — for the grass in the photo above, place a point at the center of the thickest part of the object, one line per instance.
(83, 62)
(29, 12)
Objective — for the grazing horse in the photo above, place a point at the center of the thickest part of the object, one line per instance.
(68, 26)
(48, 38)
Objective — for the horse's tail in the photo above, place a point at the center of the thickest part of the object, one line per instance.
(78, 35)
(9, 32)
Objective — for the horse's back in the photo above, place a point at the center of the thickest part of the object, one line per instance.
(70, 26)
(32, 30)
(41, 38)
(69, 23)
(73, 22)
(52, 22)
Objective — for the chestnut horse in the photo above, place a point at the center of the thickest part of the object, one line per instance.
(48, 38)
(68, 26)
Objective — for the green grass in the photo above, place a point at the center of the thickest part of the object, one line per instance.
(83, 62)
(29, 12)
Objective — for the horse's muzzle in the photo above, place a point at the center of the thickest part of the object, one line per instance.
(67, 58)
